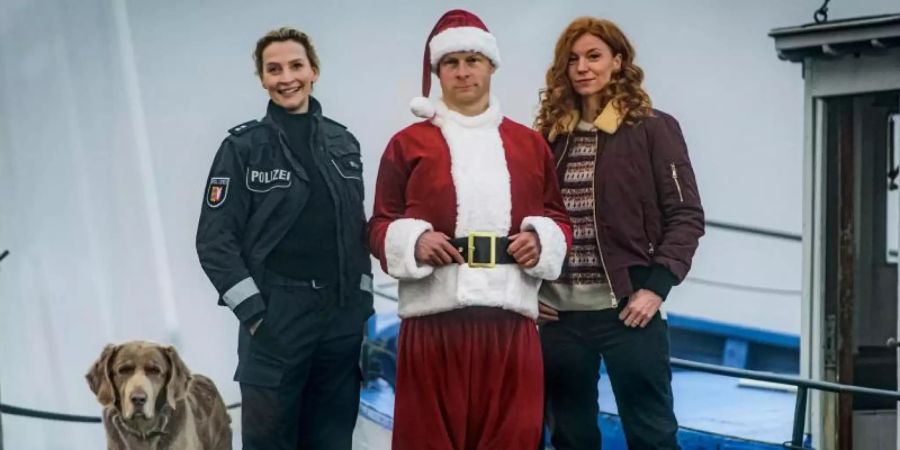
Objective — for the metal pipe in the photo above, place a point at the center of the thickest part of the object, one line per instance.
(33, 413)
(784, 379)
(2, 255)
(799, 418)
(1, 428)
(754, 230)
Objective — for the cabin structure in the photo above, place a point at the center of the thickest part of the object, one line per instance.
(849, 331)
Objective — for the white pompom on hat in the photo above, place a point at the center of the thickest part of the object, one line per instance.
(455, 31)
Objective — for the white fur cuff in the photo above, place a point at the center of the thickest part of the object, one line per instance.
(553, 247)
(400, 249)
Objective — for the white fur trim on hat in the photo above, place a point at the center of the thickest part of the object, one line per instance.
(400, 249)
(461, 39)
(553, 247)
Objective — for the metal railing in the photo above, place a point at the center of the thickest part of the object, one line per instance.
(803, 386)
(47, 415)
(755, 230)
(2, 255)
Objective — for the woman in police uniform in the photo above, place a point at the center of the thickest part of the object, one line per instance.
(281, 238)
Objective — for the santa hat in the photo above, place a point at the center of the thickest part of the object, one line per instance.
(455, 31)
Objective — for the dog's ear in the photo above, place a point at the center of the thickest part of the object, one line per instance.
(99, 378)
(179, 375)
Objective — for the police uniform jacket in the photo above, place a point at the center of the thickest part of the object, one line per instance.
(256, 190)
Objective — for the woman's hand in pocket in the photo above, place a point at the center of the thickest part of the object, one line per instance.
(546, 314)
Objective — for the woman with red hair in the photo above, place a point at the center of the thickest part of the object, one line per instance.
(629, 188)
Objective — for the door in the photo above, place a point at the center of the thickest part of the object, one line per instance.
(893, 227)
(861, 299)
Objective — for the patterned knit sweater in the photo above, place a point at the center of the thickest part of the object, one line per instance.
(583, 284)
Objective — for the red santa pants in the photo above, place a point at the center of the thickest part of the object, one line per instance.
(469, 379)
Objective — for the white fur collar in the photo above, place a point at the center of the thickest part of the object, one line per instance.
(491, 118)
(478, 168)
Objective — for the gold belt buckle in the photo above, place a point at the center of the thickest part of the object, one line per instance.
(482, 234)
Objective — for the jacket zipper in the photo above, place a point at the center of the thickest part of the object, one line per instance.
(650, 247)
(677, 184)
(317, 141)
(565, 150)
(615, 299)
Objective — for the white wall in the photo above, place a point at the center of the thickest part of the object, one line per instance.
(111, 111)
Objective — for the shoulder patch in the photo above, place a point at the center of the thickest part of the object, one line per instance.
(244, 127)
(217, 191)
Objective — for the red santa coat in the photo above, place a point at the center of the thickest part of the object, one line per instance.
(459, 174)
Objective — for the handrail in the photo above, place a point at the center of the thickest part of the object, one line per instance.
(783, 379)
(33, 413)
(47, 415)
(803, 385)
(2, 255)
(754, 230)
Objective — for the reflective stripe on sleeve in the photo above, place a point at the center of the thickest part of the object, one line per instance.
(241, 291)
(365, 283)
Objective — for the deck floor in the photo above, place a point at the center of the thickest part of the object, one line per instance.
(704, 403)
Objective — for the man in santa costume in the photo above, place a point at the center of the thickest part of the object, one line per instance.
(468, 216)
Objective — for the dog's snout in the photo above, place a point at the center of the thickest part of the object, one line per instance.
(138, 398)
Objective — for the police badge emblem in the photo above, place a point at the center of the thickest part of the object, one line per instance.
(217, 191)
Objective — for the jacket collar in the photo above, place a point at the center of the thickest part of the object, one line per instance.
(608, 121)
(273, 111)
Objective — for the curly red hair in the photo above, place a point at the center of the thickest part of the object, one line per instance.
(558, 98)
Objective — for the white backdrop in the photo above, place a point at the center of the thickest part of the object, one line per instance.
(111, 111)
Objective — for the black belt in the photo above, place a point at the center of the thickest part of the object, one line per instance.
(477, 249)
(276, 279)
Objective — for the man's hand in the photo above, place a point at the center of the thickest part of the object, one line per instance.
(255, 326)
(434, 248)
(641, 307)
(525, 248)
(546, 314)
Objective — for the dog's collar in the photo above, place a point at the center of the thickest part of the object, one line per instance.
(159, 428)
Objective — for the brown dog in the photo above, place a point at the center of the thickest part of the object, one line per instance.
(152, 402)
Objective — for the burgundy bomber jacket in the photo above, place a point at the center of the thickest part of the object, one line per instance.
(647, 209)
